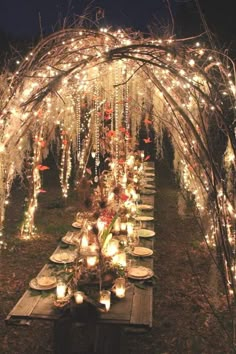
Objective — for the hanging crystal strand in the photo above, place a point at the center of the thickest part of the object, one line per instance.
(116, 118)
(126, 115)
(28, 228)
(97, 125)
(78, 123)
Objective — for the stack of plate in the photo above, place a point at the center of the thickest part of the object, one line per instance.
(140, 273)
(144, 207)
(149, 174)
(71, 238)
(144, 218)
(145, 233)
(148, 191)
(62, 257)
(43, 282)
(141, 252)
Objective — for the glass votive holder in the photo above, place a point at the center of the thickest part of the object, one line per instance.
(123, 226)
(120, 259)
(120, 287)
(112, 248)
(91, 261)
(61, 290)
(79, 298)
(105, 298)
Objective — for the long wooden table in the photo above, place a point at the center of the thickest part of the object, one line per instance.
(135, 310)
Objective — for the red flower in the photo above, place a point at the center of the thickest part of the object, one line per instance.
(123, 197)
(122, 129)
(42, 191)
(147, 141)
(111, 133)
(42, 168)
(147, 121)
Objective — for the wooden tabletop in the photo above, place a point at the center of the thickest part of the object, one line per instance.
(135, 309)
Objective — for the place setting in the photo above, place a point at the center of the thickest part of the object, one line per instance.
(145, 207)
(71, 238)
(145, 233)
(63, 257)
(139, 251)
(139, 273)
(43, 282)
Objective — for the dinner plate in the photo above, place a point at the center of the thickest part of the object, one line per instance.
(148, 191)
(149, 186)
(140, 273)
(70, 238)
(149, 180)
(62, 257)
(37, 285)
(144, 207)
(77, 225)
(141, 252)
(147, 168)
(145, 233)
(144, 218)
(149, 174)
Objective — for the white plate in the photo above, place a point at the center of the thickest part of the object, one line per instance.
(140, 273)
(141, 252)
(70, 238)
(144, 207)
(144, 218)
(149, 174)
(62, 257)
(77, 225)
(149, 180)
(149, 169)
(148, 191)
(149, 186)
(145, 233)
(34, 284)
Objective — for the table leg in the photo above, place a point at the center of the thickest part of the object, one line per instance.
(107, 339)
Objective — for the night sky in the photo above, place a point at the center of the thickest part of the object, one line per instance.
(20, 18)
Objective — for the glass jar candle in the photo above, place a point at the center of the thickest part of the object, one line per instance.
(78, 295)
(120, 287)
(105, 298)
(61, 290)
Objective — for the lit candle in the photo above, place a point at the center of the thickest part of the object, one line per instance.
(91, 261)
(130, 228)
(116, 227)
(78, 295)
(100, 225)
(105, 298)
(61, 290)
(84, 241)
(123, 226)
(112, 248)
(120, 259)
(120, 287)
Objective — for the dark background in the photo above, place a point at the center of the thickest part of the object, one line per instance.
(22, 21)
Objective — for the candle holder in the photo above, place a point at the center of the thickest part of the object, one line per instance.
(105, 298)
(79, 297)
(120, 287)
(61, 290)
